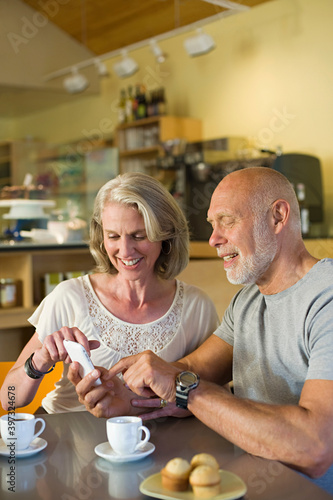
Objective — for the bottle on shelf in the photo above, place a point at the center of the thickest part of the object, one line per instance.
(129, 105)
(122, 107)
(304, 209)
(151, 104)
(141, 111)
(161, 102)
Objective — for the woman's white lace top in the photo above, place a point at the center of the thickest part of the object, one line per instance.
(128, 338)
(191, 318)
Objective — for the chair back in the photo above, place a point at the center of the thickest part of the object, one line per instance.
(46, 386)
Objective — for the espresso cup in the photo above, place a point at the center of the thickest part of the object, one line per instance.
(125, 434)
(18, 430)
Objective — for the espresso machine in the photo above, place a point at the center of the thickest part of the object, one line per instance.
(202, 165)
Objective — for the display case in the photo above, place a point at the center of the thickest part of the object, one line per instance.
(67, 177)
(72, 177)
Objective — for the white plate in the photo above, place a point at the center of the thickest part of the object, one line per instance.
(36, 446)
(104, 450)
(232, 487)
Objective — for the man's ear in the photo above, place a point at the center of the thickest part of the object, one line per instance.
(280, 213)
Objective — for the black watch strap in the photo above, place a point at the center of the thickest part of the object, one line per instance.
(181, 400)
(31, 371)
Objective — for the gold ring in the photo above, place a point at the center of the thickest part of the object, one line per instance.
(163, 403)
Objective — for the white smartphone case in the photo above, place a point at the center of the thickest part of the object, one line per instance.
(78, 353)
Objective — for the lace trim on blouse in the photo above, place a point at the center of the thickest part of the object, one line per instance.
(129, 338)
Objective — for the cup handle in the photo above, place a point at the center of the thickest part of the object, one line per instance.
(41, 429)
(145, 440)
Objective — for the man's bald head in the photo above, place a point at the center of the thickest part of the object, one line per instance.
(259, 187)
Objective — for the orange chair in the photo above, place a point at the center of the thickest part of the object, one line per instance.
(46, 386)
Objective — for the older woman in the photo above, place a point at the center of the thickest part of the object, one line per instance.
(139, 240)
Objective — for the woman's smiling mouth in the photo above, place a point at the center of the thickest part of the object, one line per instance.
(130, 263)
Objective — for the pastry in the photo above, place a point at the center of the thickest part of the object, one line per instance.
(205, 481)
(175, 474)
(204, 459)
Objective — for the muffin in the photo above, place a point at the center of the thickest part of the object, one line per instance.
(175, 474)
(205, 481)
(204, 459)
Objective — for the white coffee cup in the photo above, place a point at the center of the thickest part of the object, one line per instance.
(125, 434)
(18, 430)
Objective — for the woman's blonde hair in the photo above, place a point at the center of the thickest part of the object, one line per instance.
(163, 218)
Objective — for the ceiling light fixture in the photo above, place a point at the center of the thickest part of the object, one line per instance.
(157, 51)
(75, 83)
(200, 44)
(206, 41)
(126, 67)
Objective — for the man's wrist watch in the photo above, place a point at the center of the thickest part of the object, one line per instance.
(185, 382)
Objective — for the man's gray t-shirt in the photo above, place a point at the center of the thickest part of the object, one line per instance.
(281, 340)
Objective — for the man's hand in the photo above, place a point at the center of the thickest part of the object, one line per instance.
(146, 374)
(113, 398)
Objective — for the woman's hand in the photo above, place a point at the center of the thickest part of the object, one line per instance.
(53, 349)
(155, 410)
(110, 399)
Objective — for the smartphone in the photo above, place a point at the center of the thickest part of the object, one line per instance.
(78, 353)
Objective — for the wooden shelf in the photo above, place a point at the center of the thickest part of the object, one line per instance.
(141, 123)
(142, 151)
(15, 317)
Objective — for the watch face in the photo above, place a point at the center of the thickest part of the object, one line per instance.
(188, 378)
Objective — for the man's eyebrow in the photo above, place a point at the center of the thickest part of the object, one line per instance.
(219, 216)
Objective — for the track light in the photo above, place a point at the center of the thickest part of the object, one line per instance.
(126, 67)
(157, 51)
(199, 44)
(195, 46)
(76, 82)
(101, 68)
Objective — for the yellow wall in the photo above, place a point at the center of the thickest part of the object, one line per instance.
(269, 79)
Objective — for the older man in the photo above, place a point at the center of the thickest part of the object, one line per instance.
(276, 338)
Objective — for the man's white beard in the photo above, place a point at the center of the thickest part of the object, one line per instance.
(249, 269)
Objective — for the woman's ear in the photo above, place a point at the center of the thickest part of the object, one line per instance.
(280, 213)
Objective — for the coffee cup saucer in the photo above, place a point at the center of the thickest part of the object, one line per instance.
(105, 451)
(35, 446)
